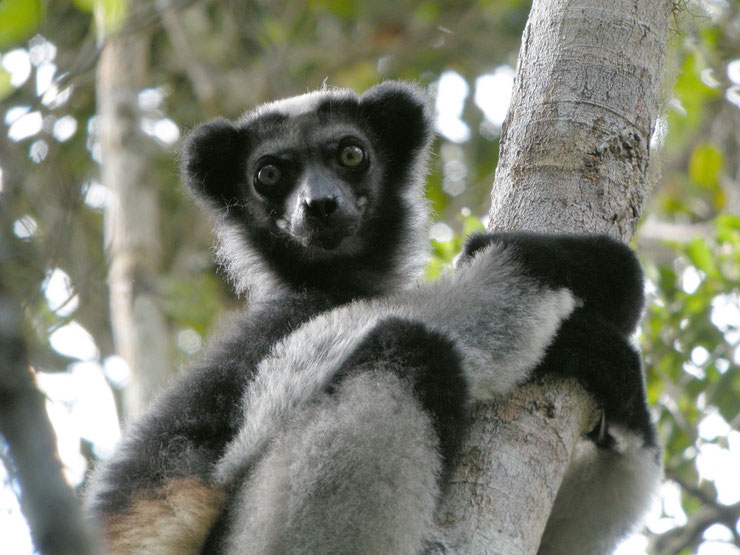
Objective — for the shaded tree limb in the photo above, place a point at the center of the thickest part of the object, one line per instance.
(47, 501)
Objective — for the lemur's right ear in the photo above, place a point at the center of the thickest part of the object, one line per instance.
(211, 162)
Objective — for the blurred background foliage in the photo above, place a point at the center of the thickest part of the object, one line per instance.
(208, 58)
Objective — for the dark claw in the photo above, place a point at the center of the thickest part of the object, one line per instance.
(600, 434)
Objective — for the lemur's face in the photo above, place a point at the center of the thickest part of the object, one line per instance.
(317, 178)
(311, 178)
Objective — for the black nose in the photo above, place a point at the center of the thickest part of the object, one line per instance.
(321, 208)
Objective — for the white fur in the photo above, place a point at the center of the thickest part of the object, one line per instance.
(289, 378)
(502, 320)
(297, 105)
(334, 480)
(244, 265)
(603, 496)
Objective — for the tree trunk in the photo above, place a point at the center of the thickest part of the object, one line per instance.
(573, 157)
(132, 231)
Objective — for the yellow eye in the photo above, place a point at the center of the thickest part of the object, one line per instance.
(351, 156)
(269, 175)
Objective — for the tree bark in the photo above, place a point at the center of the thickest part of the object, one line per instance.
(573, 158)
(132, 230)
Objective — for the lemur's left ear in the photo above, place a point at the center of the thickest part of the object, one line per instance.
(398, 114)
(211, 162)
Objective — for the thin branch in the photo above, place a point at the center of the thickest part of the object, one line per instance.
(197, 72)
(689, 536)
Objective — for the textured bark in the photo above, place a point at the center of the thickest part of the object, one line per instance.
(132, 231)
(503, 484)
(573, 157)
(575, 144)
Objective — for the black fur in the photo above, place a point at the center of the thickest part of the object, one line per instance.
(429, 362)
(218, 163)
(425, 360)
(604, 273)
(594, 351)
(593, 344)
(324, 233)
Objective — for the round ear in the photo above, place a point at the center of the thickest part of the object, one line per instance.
(398, 114)
(211, 162)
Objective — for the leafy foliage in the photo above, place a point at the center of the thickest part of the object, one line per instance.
(18, 19)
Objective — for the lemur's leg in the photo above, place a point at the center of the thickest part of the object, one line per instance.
(615, 470)
(359, 469)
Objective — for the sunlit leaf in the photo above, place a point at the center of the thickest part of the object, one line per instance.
(110, 14)
(472, 224)
(705, 165)
(436, 195)
(728, 229)
(701, 256)
(18, 20)
(5, 87)
(85, 5)
(693, 96)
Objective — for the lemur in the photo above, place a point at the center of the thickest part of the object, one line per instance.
(328, 418)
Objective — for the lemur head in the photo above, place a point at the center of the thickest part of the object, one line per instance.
(320, 190)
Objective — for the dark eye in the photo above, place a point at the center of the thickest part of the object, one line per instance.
(269, 175)
(351, 156)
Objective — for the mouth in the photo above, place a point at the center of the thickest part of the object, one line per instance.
(328, 239)
(318, 239)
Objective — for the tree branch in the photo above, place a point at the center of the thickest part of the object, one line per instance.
(47, 501)
(689, 536)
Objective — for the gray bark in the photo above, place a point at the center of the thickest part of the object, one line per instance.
(575, 144)
(574, 156)
(132, 233)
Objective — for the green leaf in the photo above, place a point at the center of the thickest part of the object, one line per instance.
(5, 87)
(694, 97)
(85, 5)
(472, 224)
(18, 20)
(702, 258)
(345, 9)
(705, 165)
(728, 229)
(113, 15)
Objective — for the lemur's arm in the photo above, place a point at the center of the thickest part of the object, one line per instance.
(615, 470)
